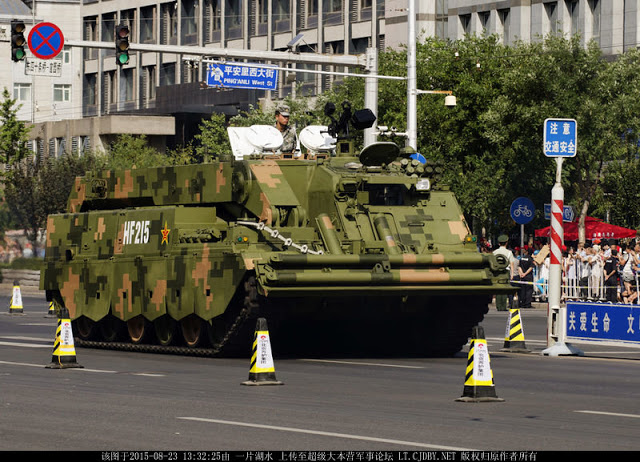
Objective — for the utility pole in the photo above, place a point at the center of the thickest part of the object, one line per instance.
(412, 116)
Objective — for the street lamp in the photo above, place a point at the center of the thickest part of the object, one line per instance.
(412, 91)
(449, 100)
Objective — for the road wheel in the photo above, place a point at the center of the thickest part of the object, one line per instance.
(112, 329)
(194, 331)
(166, 329)
(84, 328)
(139, 329)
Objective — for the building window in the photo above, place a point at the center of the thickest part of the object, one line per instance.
(233, 19)
(552, 17)
(128, 18)
(108, 27)
(484, 17)
(90, 89)
(505, 24)
(465, 23)
(263, 11)
(572, 8)
(64, 55)
(168, 74)
(332, 6)
(442, 18)
(189, 22)
(169, 24)
(91, 34)
(22, 92)
(282, 15)
(594, 5)
(61, 93)
(128, 84)
(148, 24)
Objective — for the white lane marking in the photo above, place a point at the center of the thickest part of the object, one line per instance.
(616, 414)
(356, 363)
(35, 339)
(330, 434)
(83, 369)
(26, 345)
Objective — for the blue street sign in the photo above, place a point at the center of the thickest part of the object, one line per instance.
(603, 322)
(45, 40)
(560, 137)
(522, 210)
(568, 214)
(232, 75)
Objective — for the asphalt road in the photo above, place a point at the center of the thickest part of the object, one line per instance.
(135, 401)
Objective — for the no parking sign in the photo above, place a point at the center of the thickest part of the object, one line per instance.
(45, 40)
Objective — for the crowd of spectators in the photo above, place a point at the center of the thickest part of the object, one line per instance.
(600, 270)
(13, 249)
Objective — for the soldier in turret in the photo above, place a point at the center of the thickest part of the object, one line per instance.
(289, 135)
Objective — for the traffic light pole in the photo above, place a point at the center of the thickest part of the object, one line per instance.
(359, 61)
(367, 62)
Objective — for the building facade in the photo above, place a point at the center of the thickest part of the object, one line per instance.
(169, 86)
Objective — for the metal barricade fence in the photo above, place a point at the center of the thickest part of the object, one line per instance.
(577, 284)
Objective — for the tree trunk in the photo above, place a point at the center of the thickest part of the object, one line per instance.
(581, 222)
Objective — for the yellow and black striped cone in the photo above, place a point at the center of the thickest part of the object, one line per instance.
(52, 309)
(262, 370)
(479, 385)
(514, 336)
(64, 352)
(16, 299)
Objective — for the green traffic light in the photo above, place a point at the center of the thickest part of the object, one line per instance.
(123, 58)
(20, 54)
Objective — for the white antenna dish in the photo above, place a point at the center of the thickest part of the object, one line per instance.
(316, 139)
(256, 139)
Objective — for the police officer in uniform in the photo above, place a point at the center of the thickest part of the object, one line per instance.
(525, 270)
(290, 138)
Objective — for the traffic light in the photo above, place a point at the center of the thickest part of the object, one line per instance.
(17, 40)
(122, 44)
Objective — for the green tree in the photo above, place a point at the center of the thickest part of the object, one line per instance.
(41, 186)
(133, 151)
(14, 133)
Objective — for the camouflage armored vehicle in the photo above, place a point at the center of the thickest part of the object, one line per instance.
(336, 250)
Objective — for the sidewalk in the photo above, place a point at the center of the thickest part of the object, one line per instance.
(6, 291)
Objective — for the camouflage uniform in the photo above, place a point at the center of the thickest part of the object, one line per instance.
(290, 139)
(289, 136)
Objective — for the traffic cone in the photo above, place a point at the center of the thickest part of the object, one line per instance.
(262, 370)
(479, 385)
(514, 336)
(52, 309)
(64, 352)
(16, 299)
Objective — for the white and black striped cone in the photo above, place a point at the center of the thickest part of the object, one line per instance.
(15, 306)
(64, 352)
(514, 336)
(479, 385)
(262, 370)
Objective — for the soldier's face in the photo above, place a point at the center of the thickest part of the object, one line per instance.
(284, 120)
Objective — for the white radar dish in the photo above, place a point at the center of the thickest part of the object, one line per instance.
(316, 138)
(256, 139)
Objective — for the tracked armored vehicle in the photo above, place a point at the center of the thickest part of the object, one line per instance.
(340, 252)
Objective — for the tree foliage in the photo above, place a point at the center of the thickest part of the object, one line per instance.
(491, 142)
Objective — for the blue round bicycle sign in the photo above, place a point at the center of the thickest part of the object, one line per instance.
(45, 40)
(522, 210)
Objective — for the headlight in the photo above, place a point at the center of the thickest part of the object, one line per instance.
(423, 184)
